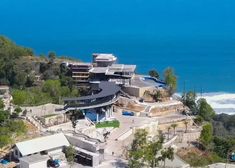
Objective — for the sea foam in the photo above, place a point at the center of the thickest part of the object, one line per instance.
(220, 101)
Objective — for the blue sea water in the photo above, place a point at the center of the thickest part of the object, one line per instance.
(196, 38)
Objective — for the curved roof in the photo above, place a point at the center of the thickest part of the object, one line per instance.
(107, 89)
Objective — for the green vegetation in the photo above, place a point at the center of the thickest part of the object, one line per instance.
(4, 115)
(198, 159)
(10, 54)
(218, 133)
(50, 92)
(157, 96)
(205, 110)
(200, 107)
(1, 104)
(174, 125)
(198, 120)
(189, 100)
(171, 80)
(206, 135)
(70, 154)
(144, 153)
(154, 73)
(114, 124)
(224, 125)
(9, 128)
(34, 80)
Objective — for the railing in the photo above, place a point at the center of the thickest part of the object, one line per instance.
(90, 103)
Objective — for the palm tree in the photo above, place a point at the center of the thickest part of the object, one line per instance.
(174, 125)
(186, 125)
(167, 154)
(168, 131)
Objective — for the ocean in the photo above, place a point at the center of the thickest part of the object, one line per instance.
(196, 38)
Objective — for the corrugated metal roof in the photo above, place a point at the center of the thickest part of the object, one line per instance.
(41, 144)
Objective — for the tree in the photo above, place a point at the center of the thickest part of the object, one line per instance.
(148, 153)
(9, 56)
(174, 125)
(1, 104)
(70, 154)
(198, 120)
(205, 110)
(168, 132)
(20, 79)
(186, 125)
(206, 135)
(52, 56)
(154, 73)
(16, 113)
(167, 154)
(151, 152)
(157, 96)
(29, 80)
(19, 97)
(52, 87)
(137, 150)
(4, 115)
(18, 110)
(189, 100)
(171, 80)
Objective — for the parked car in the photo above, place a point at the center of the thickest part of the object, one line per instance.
(127, 113)
(53, 163)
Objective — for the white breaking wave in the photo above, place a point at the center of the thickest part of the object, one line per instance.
(221, 102)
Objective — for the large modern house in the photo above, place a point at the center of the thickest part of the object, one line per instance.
(106, 80)
(102, 68)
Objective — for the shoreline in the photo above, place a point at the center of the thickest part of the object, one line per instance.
(221, 102)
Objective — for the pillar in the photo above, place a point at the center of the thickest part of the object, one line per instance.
(105, 114)
(97, 117)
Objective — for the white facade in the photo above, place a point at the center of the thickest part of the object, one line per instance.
(34, 161)
(41, 164)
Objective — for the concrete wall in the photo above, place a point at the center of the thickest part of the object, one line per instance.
(132, 91)
(137, 91)
(41, 164)
(55, 150)
(81, 144)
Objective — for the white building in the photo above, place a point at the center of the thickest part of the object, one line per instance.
(35, 153)
(51, 144)
(34, 161)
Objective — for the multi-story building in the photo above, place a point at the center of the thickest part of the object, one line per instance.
(80, 72)
(103, 68)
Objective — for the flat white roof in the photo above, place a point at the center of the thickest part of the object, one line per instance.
(42, 144)
(81, 63)
(114, 68)
(105, 57)
(98, 70)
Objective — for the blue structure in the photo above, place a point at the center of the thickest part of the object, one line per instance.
(154, 81)
(127, 113)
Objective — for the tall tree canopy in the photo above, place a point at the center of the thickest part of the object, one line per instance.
(154, 73)
(9, 54)
(205, 110)
(206, 135)
(171, 80)
(189, 99)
